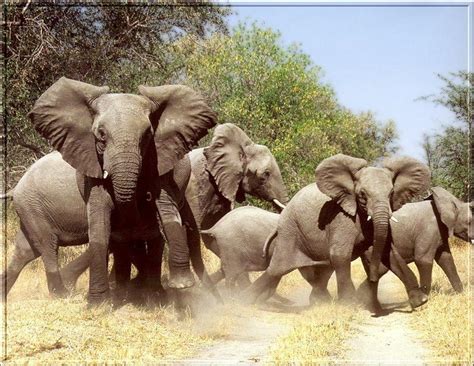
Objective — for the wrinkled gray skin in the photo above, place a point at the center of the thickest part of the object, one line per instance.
(177, 220)
(221, 174)
(238, 239)
(328, 221)
(421, 235)
(109, 196)
(228, 169)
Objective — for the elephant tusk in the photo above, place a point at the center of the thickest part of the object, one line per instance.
(369, 218)
(106, 174)
(393, 219)
(472, 241)
(279, 204)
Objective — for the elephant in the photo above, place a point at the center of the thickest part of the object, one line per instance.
(237, 239)
(338, 217)
(102, 183)
(420, 233)
(220, 175)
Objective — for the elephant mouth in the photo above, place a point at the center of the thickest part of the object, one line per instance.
(278, 205)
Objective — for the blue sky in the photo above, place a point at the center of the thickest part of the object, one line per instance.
(378, 58)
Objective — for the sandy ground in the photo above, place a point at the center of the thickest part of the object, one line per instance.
(254, 333)
(388, 339)
(383, 340)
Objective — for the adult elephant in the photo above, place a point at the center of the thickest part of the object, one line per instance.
(204, 188)
(118, 145)
(332, 221)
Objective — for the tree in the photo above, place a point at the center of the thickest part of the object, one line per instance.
(448, 152)
(276, 95)
(121, 46)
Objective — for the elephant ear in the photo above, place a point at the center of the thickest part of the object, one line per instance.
(410, 179)
(62, 114)
(225, 158)
(445, 203)
(181, 118)
(335, 177)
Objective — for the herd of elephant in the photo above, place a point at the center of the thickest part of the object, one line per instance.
(126, 178)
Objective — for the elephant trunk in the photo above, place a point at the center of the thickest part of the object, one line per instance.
(124, 170)
(380, 217)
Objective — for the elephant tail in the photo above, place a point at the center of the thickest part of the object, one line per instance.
(7, 195)
(268, 241)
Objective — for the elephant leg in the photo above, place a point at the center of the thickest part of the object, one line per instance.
(243, 281)
(415, 295)
(369, 289)
(425, 268)
(178, 258)
(217, 276)
(71, 271)
(49, 255)
(270, 289)
(139, 260)
(122, 269)
(22, 255)
(153, 267)
(194, 243)
(98, 215)
(340, 255)
(318, 278)
(445, 260)
(180, 276)
(39, 235)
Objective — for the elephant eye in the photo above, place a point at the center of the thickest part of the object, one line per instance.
(101, 134)
(265, 175)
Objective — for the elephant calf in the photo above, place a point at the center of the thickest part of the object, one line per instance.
(421, 231)
(238, 239)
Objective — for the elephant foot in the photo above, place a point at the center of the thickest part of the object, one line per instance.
(417, 298)
(60, 293)
(69, 281)
(180, 279)
(319, 297)
(97, 299)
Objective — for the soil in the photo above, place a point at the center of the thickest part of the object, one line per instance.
(382, 340)
(387, 339)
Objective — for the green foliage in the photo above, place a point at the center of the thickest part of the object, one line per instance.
(276, 95)
(120, 46)
(273, 92)
(447, 152)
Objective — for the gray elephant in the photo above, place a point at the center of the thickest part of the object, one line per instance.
(333, 221)
(238, 239)
(117, 146)
(420, 233)
(221, 174)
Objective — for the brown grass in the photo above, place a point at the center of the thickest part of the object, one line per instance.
(444, 323)
(43, 329)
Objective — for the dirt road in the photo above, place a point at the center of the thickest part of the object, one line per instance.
(388, 339)
(384, 340)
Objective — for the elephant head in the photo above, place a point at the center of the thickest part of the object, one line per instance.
(376, 191)
(455, 214)
(240, 166)
(106, 136)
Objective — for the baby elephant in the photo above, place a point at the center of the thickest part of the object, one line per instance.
(420, 232)
(238, 239)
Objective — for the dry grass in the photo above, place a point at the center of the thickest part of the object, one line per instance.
(317, 335)
(42, 329)
(49, 330)
(444, 323)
